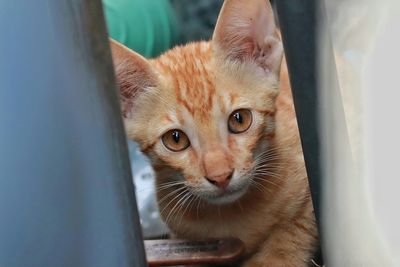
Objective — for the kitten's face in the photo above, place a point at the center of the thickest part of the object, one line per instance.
(205, 111)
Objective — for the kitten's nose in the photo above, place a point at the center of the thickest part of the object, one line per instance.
(222, 180)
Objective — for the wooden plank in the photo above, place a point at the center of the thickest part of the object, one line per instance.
(167, 252)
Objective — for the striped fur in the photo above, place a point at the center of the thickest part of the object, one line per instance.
(195, 88)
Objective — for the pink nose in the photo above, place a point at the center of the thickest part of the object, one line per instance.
(221, 180)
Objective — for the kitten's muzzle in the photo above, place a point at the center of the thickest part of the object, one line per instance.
(221, 181)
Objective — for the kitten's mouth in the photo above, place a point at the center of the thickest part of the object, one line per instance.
(227, 196)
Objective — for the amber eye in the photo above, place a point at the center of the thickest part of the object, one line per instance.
(175, 140)
(239, 121)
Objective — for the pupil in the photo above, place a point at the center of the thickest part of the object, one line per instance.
(175, 136)
(238, 117)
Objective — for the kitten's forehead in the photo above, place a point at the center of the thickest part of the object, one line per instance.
(196, 89)
(187, 74)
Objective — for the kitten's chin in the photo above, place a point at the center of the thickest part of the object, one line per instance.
(227, 197)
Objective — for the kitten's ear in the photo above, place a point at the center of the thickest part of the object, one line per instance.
(246, 30)
(133, 74)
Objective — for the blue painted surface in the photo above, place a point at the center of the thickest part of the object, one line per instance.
(66, 198)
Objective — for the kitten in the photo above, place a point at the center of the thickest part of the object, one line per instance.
(223, 143)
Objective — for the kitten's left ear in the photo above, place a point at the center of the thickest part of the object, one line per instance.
(134, 75)
(246, 30)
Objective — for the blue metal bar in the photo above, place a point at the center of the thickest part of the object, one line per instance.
(66, 191)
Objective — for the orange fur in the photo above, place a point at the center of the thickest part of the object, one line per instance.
(195, 88)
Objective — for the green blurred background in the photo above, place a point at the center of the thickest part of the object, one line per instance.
(152, 26)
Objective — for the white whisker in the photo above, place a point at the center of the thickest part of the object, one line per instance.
(175, 197)
(176, 204)
(169, 194)
(267, 181)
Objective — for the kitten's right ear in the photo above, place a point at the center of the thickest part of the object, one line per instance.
(133, 74)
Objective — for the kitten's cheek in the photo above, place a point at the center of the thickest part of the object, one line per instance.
(190, 179)
(196, 183)
(238, 180)
(203, 187)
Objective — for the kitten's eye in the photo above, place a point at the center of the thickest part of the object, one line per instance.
(239, 121)
(175, 140)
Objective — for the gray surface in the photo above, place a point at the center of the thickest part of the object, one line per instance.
(66, 192)
(151, 222)
(196, 18)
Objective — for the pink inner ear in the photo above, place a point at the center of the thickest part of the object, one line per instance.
(133, 74)
(263, 25)
(131, 79)
(246, 31)
(269, 56)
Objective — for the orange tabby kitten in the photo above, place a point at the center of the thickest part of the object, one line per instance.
(223, 143)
